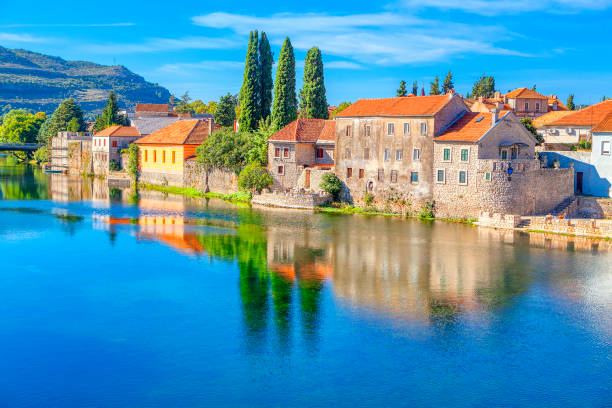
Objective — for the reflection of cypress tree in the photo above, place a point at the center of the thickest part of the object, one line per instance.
(310, 299)
(254, 296)
(281, 296)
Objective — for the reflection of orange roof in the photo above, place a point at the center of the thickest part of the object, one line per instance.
(525, 93)
(587, 116)
(192, 131)
(119, 131)
(310, 272)
(305, 130)
(605, 125)
(400, 106)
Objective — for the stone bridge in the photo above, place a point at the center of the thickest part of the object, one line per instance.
(21, 147)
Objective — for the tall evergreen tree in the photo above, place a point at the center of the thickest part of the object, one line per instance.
(570, 102)
(485, 87)
(448, 84)
(415, 88)
(266, 59)
(422, 89)
(401, 91)
(110, 115)
(312, 96)
(58, 122)
(249, 92)
(284, 108)
(225, 111)
(534, 88)
(435, 86)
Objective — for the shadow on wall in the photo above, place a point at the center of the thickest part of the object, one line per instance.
(592, 182)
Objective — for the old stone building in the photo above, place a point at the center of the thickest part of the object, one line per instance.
(300, 153)
(384, 147)
(107, 145)
(71, 152)
(576, 127)
(526, 103)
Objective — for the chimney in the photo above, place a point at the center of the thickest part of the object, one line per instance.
(494, 114)
(210, 125)
(480, 98)
(498, 95)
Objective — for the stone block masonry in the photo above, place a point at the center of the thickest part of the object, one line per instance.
(217, 180)
(304, 201)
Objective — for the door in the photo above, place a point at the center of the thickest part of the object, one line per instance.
(307, 181)
(579, 176)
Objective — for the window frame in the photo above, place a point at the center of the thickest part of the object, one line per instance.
(349, 172)
(393, 176)
(390, 129)
(367, 130)
(320, 153)
(450, 154)
(366, 153)
(348, 130)
(361, 173)
(399, 154)
(380, 176)
(387, 155)
(467, 150)
(286, 153)
(443, 176)
(406, 128)
(416, 154)
(280, 170)
(424, 124)
(277, 152)
(488, 176)
(603, 143)
(412, 177)
(465, 183)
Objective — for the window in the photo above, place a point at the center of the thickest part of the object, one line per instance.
(367, 129)
(366, 154)
(414, 177)
(319, 153)
(394, 176)
(164, 156)
(488, 176)
(537, 106)
(347, 153)
(462, 177)
(349, 172)
(441, 176)
(504, 154)
(446, 156)
(526, 106)
(173, 157)
(387, 155)
(399, 155)
(381, 174)
(104, 142)
(407, 128)
(277, 152)
(286, 152)
(348, 130)
(390, 129)
(605, 147)
(465, 155)
(281, 169)
(146, 158)
(361, 173)
(423, 128)
(114, 143)
(416, 154)
(154, 156)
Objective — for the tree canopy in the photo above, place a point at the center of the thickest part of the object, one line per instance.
(485, 87)
(448, 84)
(313, 101)
(110, 115)
(58, 122)
(266, 60)
(340, 108)
(434, 88)
(20, 126)
(284, 106)
(570, 102)
(401, 91)
(225, 111)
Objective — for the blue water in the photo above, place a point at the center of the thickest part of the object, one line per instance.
(161, 301)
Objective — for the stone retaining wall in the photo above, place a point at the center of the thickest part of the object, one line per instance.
(217, 180)
(574, 226)
(291, 200)
(591, 207)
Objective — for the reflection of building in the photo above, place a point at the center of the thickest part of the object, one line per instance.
(68, 188)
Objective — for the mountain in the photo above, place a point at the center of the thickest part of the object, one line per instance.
(40, 82)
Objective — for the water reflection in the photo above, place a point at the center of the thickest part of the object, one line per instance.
(21, 182)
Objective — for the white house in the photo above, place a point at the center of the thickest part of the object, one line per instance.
(107, 145)
(601, 157)
(576, 127)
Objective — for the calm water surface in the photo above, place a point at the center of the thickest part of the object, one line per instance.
(117, 299)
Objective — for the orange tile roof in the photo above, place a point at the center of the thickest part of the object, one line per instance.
(468, 128)
(525, 93)
(589, 116)
(192, 132)
(550, 117)
(605, 125)
(399, 106)
(560, 105)
(152, 107)
(306, 130)
(119, 131)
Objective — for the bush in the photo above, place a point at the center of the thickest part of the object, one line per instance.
(42, 155)
(331, 184)
(133, 161)
(368, 199)
(254, 177)
(114, 165)
(427, 211)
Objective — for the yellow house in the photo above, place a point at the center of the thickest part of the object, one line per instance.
(162, 154)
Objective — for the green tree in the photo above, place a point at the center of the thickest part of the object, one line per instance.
(570, 102)
(532, 129)
(434, 88)
(284, 107)
(331, 184)
(58, 122)
(266, 60)
(401, 91)
(415, 88)
(225, 111)
(20, 126)
(110, 114)
(448, 84)
(249, 92)
(340, 108)
(73, 125)
(224, 148)
(254, 177)
(256, 148)
(42, 155)
(313, 102)
(534, 88)
(484, 87)
(132, 167)
(184, 106)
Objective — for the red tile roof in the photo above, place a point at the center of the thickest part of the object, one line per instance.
(400, 106)
(605, 125)
(525, 93)
(550, 117)
(306, 130)
(192, 132)
(589, 116)
(119, 131)
(468, 128)
(152, 107)
(560, 106)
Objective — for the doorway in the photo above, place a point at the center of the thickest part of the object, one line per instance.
(307, 180)
(579, 176)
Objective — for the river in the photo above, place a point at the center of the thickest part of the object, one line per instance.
(117, 299)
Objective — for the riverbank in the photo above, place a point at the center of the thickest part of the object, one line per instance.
(237, 197)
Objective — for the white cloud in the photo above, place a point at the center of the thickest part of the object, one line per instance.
(20, 38)
(343, 65)
(164, 44)
(499, 7)
(185, 68)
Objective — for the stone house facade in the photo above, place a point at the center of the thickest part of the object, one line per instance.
(384, 147)
(107, 145)
(526, 103)
(299, 152)
(70, 151)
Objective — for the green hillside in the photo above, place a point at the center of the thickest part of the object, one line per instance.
(40, 82)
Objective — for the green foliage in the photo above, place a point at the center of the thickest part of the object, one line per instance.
(223, 148)
(340, 108)
(20, 126)
(401, 91)
(313, 102)
(415, 88)
(532, 129)
(110, 115)
(570, 102)
(254, 177)
(114, 165)
(368, 199)
(331, 184)
(225, 111)
(65, 112)
(434, 88)
(426, 211)
(184, 105)
(42, 155)
(249, 92)
(448, 84)
(73, 125)
(265, 71)
(256, 149)
(133, 161)
(284, 107)
(534, 88)
(485, 87)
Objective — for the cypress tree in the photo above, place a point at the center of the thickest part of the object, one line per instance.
(435, 87)
(225, 111)
(266, 60)
(249, 92)
(65, 112)
(110, 115)
(312, 95)
(402, 89)
(415, 88)
(284, 108)
(448, 84)
(570, 102)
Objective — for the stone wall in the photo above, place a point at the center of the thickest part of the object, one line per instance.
(593, 182)
(290, 200)
(572, 226)
(591, 207)
(161, 179)
(310, 179)
(216, 180)
(80, 157)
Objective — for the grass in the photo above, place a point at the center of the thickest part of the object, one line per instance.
(238, 197)
(565, 234)
(349, 209)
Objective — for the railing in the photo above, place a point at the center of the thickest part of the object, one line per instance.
(19, 146)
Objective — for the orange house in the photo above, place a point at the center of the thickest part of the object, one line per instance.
(162, 155)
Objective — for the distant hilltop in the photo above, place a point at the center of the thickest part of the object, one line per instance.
(40, 82)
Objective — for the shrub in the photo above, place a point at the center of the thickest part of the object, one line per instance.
(114, 165)
(331, 184)
(254, 177)
(426, 211)
(42, 155)
(369, 199)
(133, 161)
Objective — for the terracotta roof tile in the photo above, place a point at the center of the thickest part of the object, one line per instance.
(400, 106)
(605, 125)
(182, 132)
(152, 107)
(550, 117)
(525, 93)
(586, 117)
(119, 131)
(306, 130)
(560, 105)
(468, 128)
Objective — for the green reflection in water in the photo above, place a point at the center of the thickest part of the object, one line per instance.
(21, 182)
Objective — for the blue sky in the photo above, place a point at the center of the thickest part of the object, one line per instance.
(563, 46)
